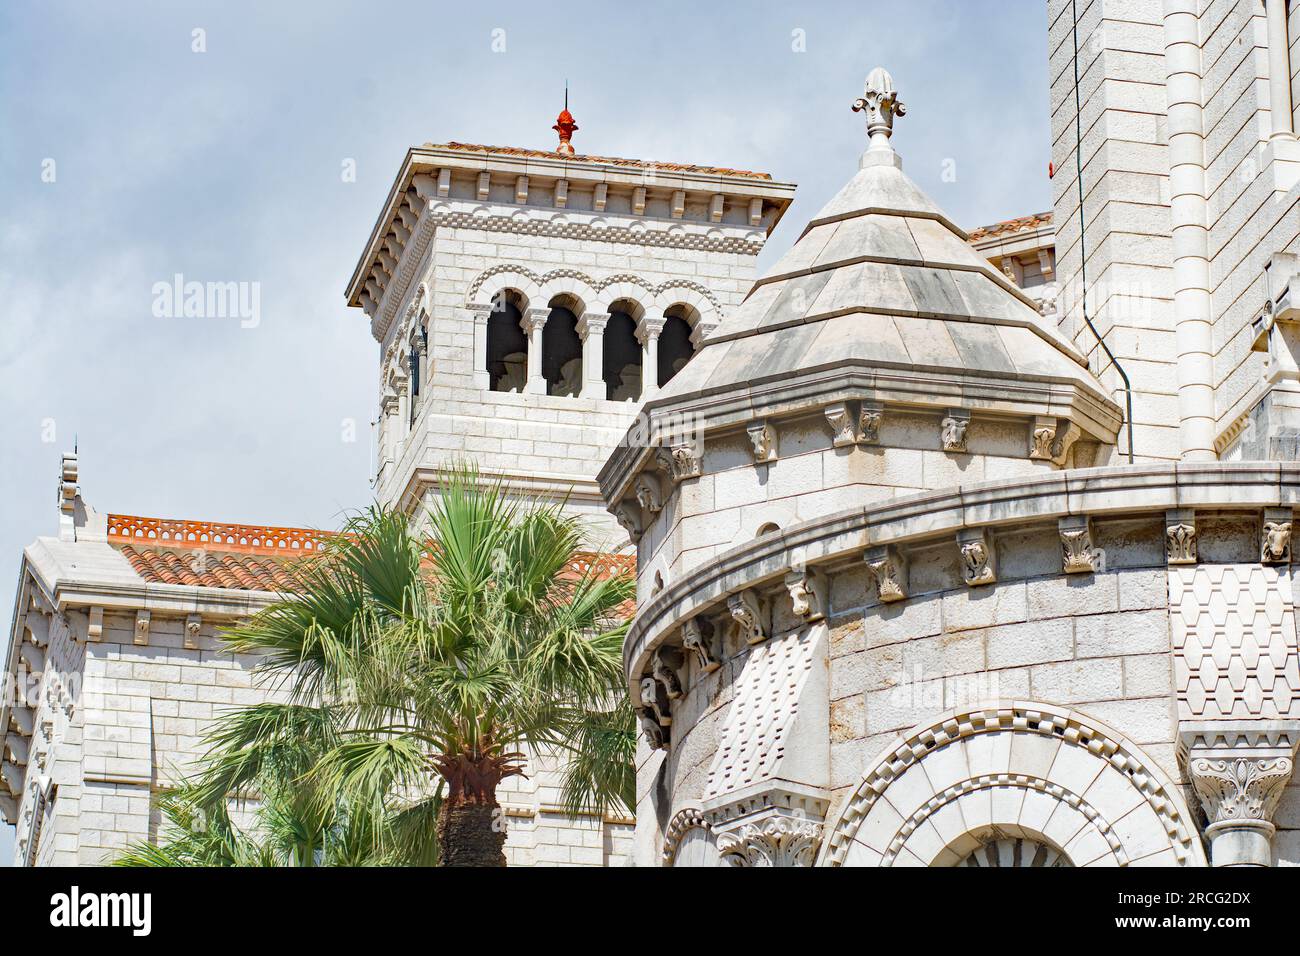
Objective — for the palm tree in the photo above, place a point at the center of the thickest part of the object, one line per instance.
(417, 668)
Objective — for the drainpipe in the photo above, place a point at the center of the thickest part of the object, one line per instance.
(1190, 236)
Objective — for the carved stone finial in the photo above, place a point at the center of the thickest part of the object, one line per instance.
(880, 102)
(566, 127)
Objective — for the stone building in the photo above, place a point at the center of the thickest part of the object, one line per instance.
(524, 302)
(916, 586)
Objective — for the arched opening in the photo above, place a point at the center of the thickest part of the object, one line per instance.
(562, 348)
(507, 345)
(675, 348)
(622, 353)
(771, 527)
(413, 369)
(1007, 845)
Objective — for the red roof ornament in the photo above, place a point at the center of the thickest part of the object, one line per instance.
(565, 126)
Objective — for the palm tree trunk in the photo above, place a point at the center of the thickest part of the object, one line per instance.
(471, 833)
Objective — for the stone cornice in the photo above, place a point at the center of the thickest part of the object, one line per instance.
(909, 388)
(1142, 489)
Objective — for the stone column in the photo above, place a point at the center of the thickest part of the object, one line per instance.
(1239, 770)
(403, 414)
(480, 378)
(532, 323)
(1279, 71)
(387, 428)
(647, 333)
(591, 328)
(419, 374)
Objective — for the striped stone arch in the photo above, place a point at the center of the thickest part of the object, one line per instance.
(1058, 781)
(499, 278)
(629, 287)
(701, 305)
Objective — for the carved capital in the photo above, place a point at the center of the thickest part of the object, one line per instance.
(749, 612)
(1077, 553)
(809, 594)
(780, 841)
(762, 435)
(592, 323)
(697, 638)
(1234, 789)
(952, 430)
(533, 320)
(1275, 536)
(889, 568)
(1180, 536)
(978, 557)
(680, 461)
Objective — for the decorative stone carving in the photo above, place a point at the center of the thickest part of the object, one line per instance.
(762, 435)
(889, 568)
(1067, 433)
(680, 461)
(649, 495)
(978, 558)
(953, 430)
(780, 841)
(665, 662)
(653, 730)
(654, 713)
(881, 104)
(1241, 788)
(1180, 536)
(1042, 432)
(809, 593)
(1077, 553)
(697, 638)
(95, 624)
(840, 418)
(750, 615)
(141, 627)
(192, 624)
(684, 821)
(1275, 537)
(869, 419)
(628, 513)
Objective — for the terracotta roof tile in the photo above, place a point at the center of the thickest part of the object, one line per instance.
(606, 160)
(1023, 224)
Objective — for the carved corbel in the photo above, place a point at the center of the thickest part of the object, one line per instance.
(1077, 553)
(628, 513)
(780, 841)
(656, 719)
(680, 462)
(1180, 536)
(1275, 536)
(889, 569)
(193, 623)
(1042, 432)
(809, 594)
(762, 436)
(978, 557)
(697, 638)
(869, 419)
(1067, 433)
(952, 430)
(649, 493)
(95, 624)
(665, 662)
(749, 612)
(843, 424)
(141, 635)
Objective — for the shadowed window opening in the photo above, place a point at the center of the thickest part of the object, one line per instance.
(622, 356)
(507, 346)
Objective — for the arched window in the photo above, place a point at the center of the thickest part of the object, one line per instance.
(507, 346)
(675, 348)
(413, 369)
(622, 353)
(562, 349)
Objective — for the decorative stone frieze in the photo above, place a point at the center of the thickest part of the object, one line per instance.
(952, 430)
(697, 638)
(978, 557)
(666, 662)
(809, 594)
(1239, 770)
(869, 418)
(779, 841)
(889, 569)
(1077, 553)
(762, 436)
(649, 494)
(843, 428)
(1180, 536)
(1275, 536)
(750, 614)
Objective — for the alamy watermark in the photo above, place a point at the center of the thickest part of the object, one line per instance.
(190, 299)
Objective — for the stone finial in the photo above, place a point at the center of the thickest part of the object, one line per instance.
(880, 102)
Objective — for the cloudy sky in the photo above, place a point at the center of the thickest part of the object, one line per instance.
(133, 149)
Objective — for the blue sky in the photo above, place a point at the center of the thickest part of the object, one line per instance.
(224, 165)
